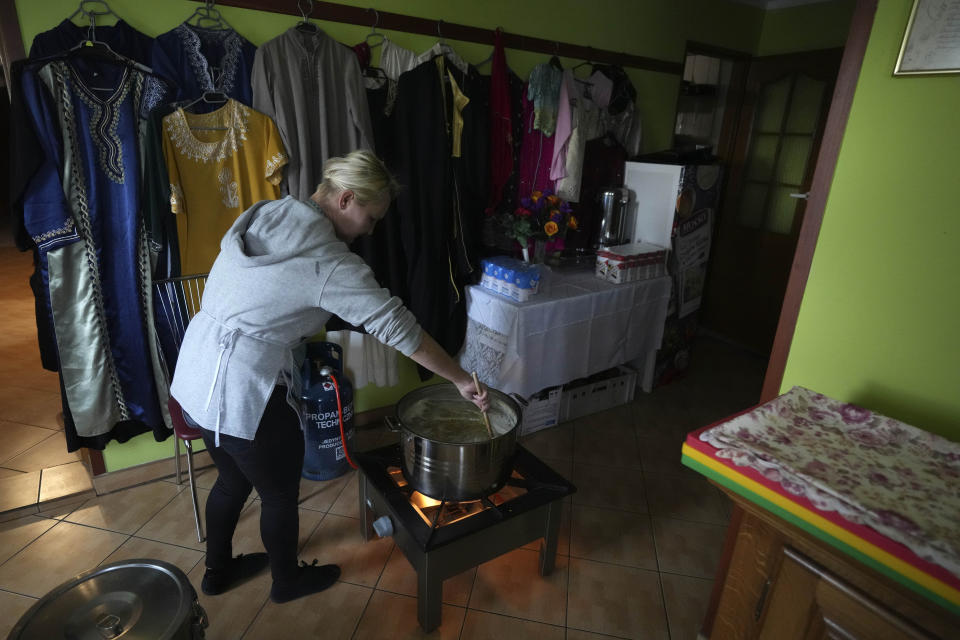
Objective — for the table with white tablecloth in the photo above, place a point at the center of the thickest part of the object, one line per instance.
(576, 326)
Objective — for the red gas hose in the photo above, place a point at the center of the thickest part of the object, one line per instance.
(343, 436)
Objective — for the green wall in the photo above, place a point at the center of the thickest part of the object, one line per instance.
(822, 25)
(653, 28)
(879, 321)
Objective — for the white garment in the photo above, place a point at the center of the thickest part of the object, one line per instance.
(601, 88)
(442, 48)
(565, 125)
(585, 122)
(396, 60)
(625, 127)
(366, 360)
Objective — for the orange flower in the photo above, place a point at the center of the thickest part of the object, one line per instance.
(553, 200)
(536, 195)
(551, 228)
(572, 223)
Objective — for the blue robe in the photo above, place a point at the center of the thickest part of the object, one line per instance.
(120, 37)
(83, 216)
(195, 60)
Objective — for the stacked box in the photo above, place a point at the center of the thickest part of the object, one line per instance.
(541, 410)
(509, 277)
(631, 262)
(602, 391)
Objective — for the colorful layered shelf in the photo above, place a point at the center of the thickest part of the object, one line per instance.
(829, 467)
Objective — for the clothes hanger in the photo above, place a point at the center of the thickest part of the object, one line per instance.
(100, 8)
(581, 80)
(97, 50)
(444, 47)
(490, 57)
(587, 85)
(554, 60)
(209, 97)
(84, 10)
(449, 53)
(305, 25)
(208, 13)
(374, 33)
(94, 49)
(486, 60)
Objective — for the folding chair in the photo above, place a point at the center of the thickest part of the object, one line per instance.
(176, 301)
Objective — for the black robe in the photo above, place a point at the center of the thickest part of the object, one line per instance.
(442, 198)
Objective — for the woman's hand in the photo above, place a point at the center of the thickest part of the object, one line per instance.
(469, 392)
(432, 356)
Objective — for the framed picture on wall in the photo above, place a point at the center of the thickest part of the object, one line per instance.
(931, 42)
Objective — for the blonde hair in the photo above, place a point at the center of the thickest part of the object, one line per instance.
(361, 172)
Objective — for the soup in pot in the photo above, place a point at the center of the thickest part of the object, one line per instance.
(457, 421)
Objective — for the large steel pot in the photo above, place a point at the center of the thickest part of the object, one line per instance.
(130, 599)
(455, 470)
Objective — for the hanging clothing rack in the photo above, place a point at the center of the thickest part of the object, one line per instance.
(335, 12)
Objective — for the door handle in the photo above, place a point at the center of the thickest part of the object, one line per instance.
(800, 196)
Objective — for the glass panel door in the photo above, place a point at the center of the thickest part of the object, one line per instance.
(787, 119)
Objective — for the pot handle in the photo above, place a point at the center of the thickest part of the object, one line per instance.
(393, 423)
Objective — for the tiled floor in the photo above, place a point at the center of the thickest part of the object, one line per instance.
(35, 467)
(639, 541)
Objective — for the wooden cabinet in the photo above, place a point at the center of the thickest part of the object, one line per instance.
(807, 602)
(777, 582)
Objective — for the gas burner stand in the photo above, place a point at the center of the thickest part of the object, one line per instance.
(440, 552)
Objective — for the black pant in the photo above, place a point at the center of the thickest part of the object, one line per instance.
(271, 463)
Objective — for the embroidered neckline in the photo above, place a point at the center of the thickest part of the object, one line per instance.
(105, 120)
(232, 43)
(233, 115)
(310, 43)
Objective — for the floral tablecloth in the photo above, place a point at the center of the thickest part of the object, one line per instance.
(899, 480)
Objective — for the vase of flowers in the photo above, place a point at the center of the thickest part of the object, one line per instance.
(539, 224)
(539, 253)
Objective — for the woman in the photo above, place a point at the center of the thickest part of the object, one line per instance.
(283, 269)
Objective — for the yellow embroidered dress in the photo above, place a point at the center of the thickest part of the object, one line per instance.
(220, 163)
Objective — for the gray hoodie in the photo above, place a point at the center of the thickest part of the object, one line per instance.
(280, 274)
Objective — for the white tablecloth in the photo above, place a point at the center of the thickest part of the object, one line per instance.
(576, 326)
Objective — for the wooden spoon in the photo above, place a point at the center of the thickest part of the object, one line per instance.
(486, 418)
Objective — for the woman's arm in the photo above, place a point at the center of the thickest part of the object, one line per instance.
(352, 293)
(431, 355)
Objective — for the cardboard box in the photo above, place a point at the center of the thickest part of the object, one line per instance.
(631, 262)
(541, 410)
(597, 393)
